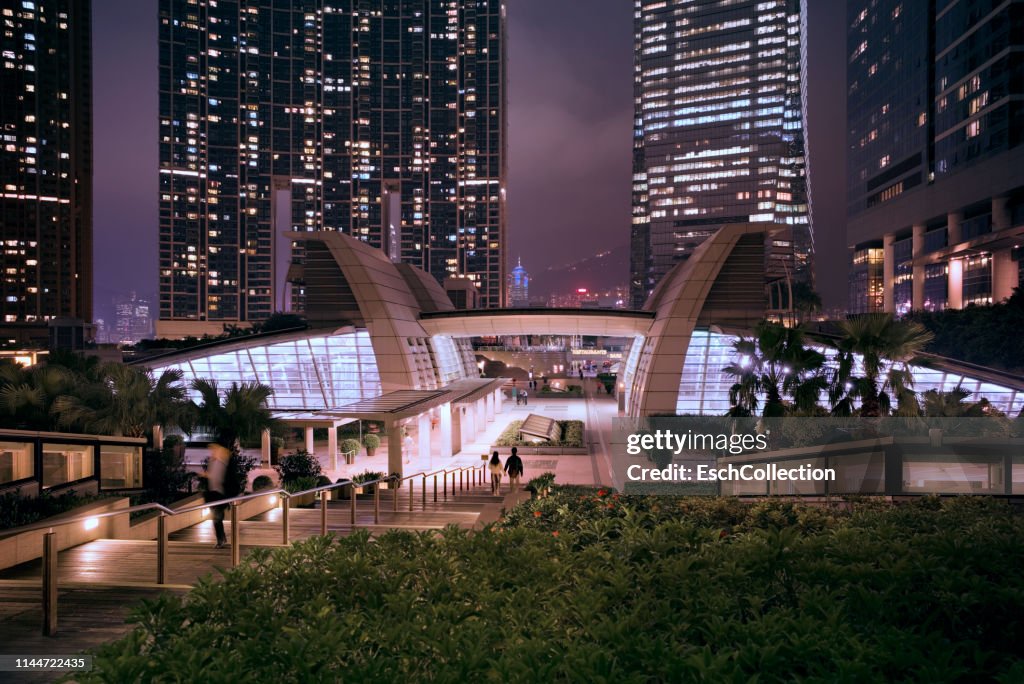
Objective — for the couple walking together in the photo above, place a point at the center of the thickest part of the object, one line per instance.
(513, 466)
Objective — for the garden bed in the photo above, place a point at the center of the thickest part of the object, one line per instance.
(572, 440)
(586, 585)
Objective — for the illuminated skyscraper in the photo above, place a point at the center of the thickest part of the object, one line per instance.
(519, 286)
(718, 131)
(45, 166)
(384, 119)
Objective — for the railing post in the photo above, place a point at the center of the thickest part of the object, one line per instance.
(161, 549)
(444, 477)
(412, 486)
(353, 497)
(424, 492)
(49, 584)
(394, 499)
(435, 487)
(236, 550)
(286, 506)
(461, 478)
(323, 512)
(376, 504)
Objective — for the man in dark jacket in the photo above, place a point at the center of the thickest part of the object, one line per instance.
(514, 468)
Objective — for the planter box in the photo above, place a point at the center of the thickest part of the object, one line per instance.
(20, 548)
(145, 528)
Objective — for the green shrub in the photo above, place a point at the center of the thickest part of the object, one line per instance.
(17, 510)
(301, 484)
(262, 482)
(371, 441)
(368, 476)
(588, 585)
(300, 464)
(541, 483)
(349, 446)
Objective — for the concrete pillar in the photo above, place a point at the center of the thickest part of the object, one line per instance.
(309, 440)
(953, 221)
(456, 427)
(447, 443)
(917, 247)
(481, 416)
(489, 407)
(888, 273)
(332, 446)
(1000, 216)
(395, 460)
(955, 287)
(1005, 275)
(499, 400)
(423, 440)
(468, 423)
(265, 447)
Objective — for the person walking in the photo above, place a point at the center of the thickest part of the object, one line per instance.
(523, 396)
(494, 466)
(514, 468)
(216, 474)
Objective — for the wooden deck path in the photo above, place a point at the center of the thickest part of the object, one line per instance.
(102, 580)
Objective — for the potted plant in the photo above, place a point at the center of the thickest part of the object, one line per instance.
(371, 442)
(299, 485)
(350, 447)
(367, 476)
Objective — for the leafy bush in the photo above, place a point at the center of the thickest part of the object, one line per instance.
(572, 435)
(592, 586)
(371, 441)
(300, 484)
(349, 446)
(541, 483)
(262, 482)
(17, 510)
(300, 464)
(368, 476)
(236, 477)
(164, 470)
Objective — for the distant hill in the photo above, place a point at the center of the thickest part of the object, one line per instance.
(601, 271)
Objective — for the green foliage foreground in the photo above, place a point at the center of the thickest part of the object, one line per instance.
(589, 587)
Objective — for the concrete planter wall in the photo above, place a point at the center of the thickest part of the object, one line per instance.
(543, 451)
(146, 528)
(27, 546)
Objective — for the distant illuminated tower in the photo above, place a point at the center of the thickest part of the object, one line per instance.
(718, 132)
(519, 286)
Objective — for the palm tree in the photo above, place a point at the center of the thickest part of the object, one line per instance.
(954, 404)
(243, 414)
(885, 347)
(125, 400)
(27, 395)
(778, 366)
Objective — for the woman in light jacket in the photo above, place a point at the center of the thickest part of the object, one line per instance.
(494, 465)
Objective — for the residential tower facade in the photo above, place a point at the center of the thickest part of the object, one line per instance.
(382, 119)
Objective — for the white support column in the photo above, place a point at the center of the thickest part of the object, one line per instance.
(309, 440)
(499, 400)
(332, 446)
(265, 448)
(468, 424)
(481, 417)
(447, 447)
(395, 459)
(489, 407)
(423, 441)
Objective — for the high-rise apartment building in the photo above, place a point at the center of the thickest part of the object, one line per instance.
(132, 319)
(45, 166)
(935, 107)
(718, 132)
(384, 119)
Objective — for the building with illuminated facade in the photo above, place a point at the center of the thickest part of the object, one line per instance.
(519, 286)
(935, 109)
(384, 120)
(45, 167)
(718, 132)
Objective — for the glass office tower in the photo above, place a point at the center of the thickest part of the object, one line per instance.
(718, 131)
(45, 166)
(384, 119)
(935, 108)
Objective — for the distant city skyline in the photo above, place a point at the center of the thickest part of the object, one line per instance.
(570, 118)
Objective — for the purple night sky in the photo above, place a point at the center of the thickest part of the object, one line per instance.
(570, 111)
